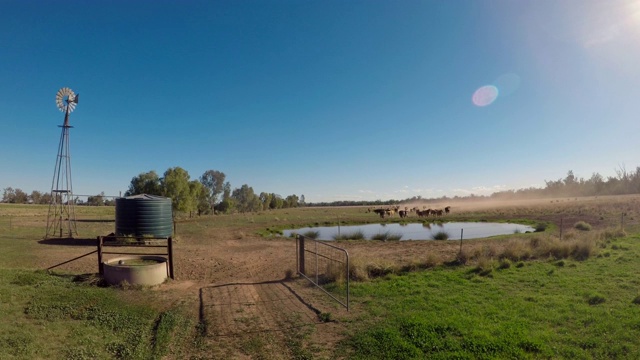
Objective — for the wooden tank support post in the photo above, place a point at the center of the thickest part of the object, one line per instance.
(170, 254)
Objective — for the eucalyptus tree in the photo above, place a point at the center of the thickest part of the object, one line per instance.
(245, 199)
(265, 199)
(145, 183)
(14, 196)
(213, 181)
(175, 185)
(200, 195)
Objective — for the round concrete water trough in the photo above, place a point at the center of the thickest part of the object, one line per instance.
(136, 270)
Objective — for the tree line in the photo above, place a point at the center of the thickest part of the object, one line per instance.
(208, 194)
(623, 183)
(212, 194)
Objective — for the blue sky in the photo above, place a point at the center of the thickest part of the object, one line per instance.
(333, 100)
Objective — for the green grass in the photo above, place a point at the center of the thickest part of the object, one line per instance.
(583, 309)
(60, 317)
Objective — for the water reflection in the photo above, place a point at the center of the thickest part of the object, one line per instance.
(417, 231)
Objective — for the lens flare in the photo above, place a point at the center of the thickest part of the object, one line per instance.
(485, 95)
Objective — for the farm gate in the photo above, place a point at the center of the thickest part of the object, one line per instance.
(321, 264)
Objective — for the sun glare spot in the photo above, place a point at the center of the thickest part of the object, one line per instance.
(485, 95)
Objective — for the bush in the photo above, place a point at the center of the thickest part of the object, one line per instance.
(516, 250)
(311, 234)
(356, 235)
(581, 225)
(504, 264)
(540, 227)
(386, 236)
(440, 235)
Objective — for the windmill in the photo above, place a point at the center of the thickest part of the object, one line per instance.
(61, 220)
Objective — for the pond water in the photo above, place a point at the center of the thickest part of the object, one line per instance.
(418, 231)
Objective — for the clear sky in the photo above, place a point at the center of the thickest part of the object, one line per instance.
(333, 100)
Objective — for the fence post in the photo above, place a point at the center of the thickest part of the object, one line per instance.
(622, 221)
(100, 268)
(461, 232)
(301, 255)
(170, 253)
(561, 221)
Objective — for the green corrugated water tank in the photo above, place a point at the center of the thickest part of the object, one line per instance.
(144, 215)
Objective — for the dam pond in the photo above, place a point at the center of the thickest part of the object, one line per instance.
(415, 231)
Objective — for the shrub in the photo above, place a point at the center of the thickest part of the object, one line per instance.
(311, 234)
(386, 236)
(440, 235)
(540, 227)
(431, 261)
(333, 273)
(357, 271)
(581, 225)
(612, 234)
(504, 264)
(582, 250)
(356, 235)
(516, 250)
(380, 268)
(484, 267)
(463, 256)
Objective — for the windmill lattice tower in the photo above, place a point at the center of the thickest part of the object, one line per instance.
(61, 219)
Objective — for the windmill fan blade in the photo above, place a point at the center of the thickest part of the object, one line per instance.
(66, 99)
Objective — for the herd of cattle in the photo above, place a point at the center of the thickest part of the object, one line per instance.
(424, 212)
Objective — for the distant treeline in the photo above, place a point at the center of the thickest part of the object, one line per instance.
(623, 183)
(212, 194)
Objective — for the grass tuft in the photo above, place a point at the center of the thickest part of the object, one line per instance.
(311, 234)
(582, 225)
(356, 235)
(440, 235)
(387, 235)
